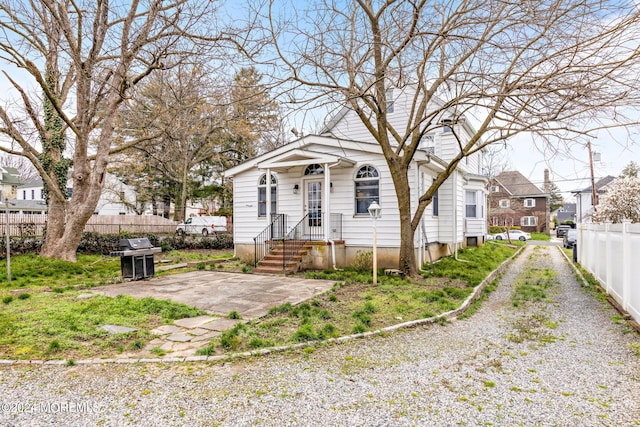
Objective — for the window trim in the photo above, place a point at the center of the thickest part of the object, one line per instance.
(370, 169)
(527, 218)
(262, 188)
(529, 203)
(313, 169)
(504, 203)
(435, 203)
(468, 205)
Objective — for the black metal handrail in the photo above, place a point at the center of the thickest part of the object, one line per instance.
(309, 228)
(299, 235)
(265, 241)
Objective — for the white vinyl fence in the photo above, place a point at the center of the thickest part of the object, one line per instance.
(611, 253)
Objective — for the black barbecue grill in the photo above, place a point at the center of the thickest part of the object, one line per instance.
(136, 258)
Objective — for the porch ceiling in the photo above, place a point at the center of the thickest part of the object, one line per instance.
(299, 157)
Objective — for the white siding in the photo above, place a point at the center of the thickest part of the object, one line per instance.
(356, 229)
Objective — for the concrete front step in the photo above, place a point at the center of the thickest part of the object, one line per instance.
(272, 262)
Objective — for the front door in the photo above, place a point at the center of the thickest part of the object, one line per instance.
(313, 207)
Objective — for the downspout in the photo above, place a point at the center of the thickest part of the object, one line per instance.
(328, 220)
(420, 238)
(333, 253)
(455, 216)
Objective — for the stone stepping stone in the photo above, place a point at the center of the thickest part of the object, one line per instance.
(179, 337)
(193, 322)
(86, 296)
(206, 337)
(220, 324)
(116, 329)
(175, 346)
(198, 331)
(165, 330)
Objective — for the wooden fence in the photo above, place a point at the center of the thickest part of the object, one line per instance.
(33, 225)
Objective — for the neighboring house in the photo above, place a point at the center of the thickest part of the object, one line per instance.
(584, 199)
(116, 197)
(319, 187)
(566, 213)
(9, 182)
(515, 201)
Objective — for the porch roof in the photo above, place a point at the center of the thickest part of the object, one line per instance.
(299, 157)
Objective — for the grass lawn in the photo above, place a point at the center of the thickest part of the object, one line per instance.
(355, 305)
(541, 236)
(41, 316)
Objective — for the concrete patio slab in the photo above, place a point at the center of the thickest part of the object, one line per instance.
(219, 293)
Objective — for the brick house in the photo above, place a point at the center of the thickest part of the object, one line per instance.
(515, 201)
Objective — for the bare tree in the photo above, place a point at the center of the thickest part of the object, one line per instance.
(180, 116)
(533, 66)
(84, 58)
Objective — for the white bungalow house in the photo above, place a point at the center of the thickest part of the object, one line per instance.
(322, 185)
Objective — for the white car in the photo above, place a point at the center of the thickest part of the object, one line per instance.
(514, 234)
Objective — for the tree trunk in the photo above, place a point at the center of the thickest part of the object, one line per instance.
(407, 256)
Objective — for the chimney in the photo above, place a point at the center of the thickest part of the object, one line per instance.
(547, 184)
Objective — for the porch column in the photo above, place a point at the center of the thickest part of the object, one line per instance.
(327, 201)
(268, 196)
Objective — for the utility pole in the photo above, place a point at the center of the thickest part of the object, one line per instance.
(594, 194)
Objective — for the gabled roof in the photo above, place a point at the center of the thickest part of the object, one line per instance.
(36, 183)
(9, 175)
(298, 153)
(517, 185)
(37, 205)
(600, 184)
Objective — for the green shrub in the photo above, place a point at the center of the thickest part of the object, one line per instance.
(7, 299)
(304, 333)
(363, 261)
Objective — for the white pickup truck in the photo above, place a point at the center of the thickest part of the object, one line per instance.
(203, 225)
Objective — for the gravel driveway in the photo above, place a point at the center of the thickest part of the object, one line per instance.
(563, 362)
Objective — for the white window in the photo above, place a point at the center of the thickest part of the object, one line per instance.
(529, 203)
(367, 189)
(495, 220)
(434, 202)
(528, 221)
(471, 204)
(504, 203)
(390, 100)
(495, 189)
(427, 143)
(262, 195)
(314, 169)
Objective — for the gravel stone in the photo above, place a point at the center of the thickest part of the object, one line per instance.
(561, 362)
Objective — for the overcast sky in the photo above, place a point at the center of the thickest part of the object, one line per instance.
(569, 168)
